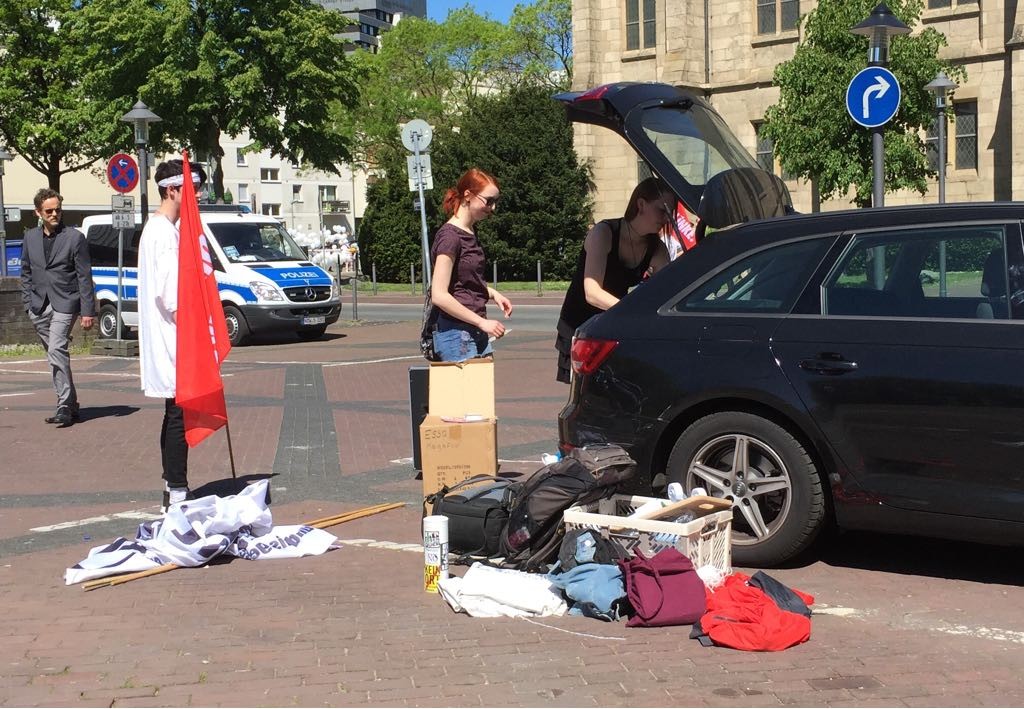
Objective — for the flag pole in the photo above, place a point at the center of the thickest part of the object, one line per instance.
(231, 452)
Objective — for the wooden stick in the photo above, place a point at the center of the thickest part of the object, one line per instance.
(231, 452)
(354, 514)
(125, 578)
(318, 523)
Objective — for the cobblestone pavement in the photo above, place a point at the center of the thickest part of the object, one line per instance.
(899, 622)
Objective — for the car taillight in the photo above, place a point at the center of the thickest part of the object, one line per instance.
(589, 353)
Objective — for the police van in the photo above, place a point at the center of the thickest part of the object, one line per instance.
(267, 283)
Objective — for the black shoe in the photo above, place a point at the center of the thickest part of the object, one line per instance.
(76, 415)
(63, 418)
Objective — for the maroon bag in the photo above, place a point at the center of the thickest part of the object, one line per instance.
(663, 590)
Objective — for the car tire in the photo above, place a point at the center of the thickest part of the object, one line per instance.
(312, 333)
(770, 526)
(238, 329)
(107, 325)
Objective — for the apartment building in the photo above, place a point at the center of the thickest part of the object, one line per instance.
(727, 51)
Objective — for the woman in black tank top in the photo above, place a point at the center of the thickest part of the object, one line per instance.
(615, 257)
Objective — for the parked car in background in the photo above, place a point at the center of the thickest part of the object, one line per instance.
(861, 368)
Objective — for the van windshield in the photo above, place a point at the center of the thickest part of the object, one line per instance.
(249, 243)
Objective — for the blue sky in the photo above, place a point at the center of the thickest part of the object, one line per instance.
(500, 10)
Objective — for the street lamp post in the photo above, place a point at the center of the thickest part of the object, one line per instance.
(4, 156)
(879, 27)
(940, 86)
(140, 117)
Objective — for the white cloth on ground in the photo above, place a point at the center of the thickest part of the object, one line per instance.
(487, 592)
(195, 531)
(158, 302)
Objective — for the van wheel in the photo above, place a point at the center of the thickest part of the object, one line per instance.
(312, 333)
(108, 329)
(238, 329)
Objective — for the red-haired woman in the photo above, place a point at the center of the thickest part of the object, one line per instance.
(458, 288)
(614, 258)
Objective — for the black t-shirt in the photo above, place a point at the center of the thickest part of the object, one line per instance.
(467, 284)
(618, 279)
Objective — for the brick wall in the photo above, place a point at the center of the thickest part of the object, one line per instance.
(15, 327)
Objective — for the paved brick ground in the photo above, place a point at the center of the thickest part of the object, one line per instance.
(900, 622)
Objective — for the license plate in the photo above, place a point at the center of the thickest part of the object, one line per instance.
(314, 320)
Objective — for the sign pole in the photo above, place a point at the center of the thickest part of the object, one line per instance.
(120, 279)
(3, 225)
(423, 216)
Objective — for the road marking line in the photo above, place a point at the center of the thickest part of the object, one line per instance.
(130, 514)
(21, 393)
(43, 360)
(373, 361)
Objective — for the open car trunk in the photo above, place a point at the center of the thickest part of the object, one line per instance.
(687, 144)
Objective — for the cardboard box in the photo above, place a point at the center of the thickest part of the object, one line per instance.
(453, 451)
(461, 388)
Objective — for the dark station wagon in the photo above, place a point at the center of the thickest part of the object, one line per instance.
(861, 367)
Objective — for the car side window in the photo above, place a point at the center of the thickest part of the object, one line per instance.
(951, 272)
(768, 281)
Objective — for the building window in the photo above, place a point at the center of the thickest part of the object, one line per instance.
(640, 24)
(243, 192)
(271, 210)
(296, 193)
(270, 174)
(764, 150)
(966, 114)
(943, 4)
(775, 16)
(240, 158)
(328, 193)
(931, 144)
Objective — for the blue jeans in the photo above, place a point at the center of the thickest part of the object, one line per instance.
(456, 341)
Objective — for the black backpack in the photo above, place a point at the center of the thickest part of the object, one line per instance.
(477, 512)
(534, 532)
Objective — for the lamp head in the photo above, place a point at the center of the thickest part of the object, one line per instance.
(879, 27)
(140, 116)
(940, 86)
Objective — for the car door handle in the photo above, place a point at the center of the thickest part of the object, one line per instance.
(831, 363)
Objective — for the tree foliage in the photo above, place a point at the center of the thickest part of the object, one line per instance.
(813, 135)
(522, 138)
(46, 116)
(432, 70)
(276, 68)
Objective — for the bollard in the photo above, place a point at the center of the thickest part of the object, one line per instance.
(539, 293)
(373, 269)
(355, 297)
(494, 280)
(412, 279)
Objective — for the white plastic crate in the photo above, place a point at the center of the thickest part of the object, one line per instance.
(705, 540)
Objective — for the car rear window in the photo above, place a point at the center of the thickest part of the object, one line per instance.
(768, 281)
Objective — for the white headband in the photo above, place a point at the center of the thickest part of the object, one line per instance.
(177, 180)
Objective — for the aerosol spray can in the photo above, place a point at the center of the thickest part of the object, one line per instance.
(435, 551)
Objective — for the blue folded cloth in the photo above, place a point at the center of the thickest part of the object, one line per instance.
(599, 585)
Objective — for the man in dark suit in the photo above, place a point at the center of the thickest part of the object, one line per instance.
(56, 286)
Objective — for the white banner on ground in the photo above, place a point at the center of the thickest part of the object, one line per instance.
(193, 532)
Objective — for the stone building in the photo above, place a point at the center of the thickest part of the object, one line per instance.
(727, 51)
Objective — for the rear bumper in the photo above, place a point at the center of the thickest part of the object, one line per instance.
(288, 318)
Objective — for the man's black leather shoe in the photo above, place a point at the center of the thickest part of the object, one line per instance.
(63, 418)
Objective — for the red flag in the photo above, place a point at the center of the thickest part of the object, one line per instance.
(202, 334)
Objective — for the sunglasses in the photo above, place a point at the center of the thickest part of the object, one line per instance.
(55, 210)
(491, 202)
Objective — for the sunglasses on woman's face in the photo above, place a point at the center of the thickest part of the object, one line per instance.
(491, 202)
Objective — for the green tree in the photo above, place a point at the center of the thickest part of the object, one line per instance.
(389, 233)
(46, 116)
(522, 138)
(276, 69)
(816, 139)
(540, 49)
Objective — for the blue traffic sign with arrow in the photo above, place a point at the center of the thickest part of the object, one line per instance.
(873, 97)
